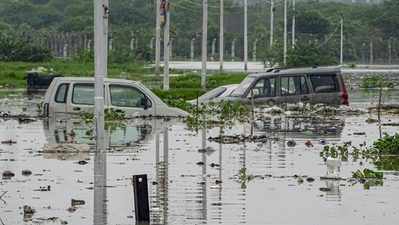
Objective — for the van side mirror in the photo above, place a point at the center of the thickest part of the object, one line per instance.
(146, 103)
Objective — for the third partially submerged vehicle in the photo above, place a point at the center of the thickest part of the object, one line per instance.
(313, 85)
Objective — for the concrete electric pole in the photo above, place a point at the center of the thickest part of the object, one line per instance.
(246, 35)
(221, 36)
(204, 42)
(285, 32)
(341, 58)
(166, 43)
(101, 16)
(293, 22)
(158, 37)
(271, 23)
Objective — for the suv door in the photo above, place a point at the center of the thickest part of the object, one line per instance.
(294, 88)
(131, 99)
(264, 91)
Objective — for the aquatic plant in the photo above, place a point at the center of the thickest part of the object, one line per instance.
(221, 114)
(369, 178)
(388, 145)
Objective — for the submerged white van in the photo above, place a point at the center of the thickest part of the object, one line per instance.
(75, 95)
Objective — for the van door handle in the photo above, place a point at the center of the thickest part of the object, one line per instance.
(76, 108)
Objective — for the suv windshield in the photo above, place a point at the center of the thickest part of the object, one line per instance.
(240, 90)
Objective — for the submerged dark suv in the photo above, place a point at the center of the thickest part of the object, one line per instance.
(313, 85)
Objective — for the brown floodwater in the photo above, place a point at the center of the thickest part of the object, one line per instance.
(188, 186)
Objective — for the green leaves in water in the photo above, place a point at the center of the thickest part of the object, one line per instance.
(221, 114)
(113, 118)
(388, 145)
(244, 177)
(369, 178)
(367, 174)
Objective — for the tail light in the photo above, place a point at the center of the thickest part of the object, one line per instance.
(344, 95)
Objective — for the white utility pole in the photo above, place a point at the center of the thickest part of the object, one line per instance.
(293, 23)
(371, 53)
(390, 51)
(213, 49)
(192, 49)
(158, 37)
(233, 49)
(152, 43)
(221, 38)
(204, 42)
(171, 49)
(246, 35)
(101, 15)
(271, 22)
(166, 47)
(254, 50)
(341, 58)
(285, 32)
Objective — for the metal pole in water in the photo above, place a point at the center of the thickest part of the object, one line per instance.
(141, 202)
(101, 15)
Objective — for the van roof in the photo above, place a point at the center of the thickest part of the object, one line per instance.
(91, 79)
(309, 70)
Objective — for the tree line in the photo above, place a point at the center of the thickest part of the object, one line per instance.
(370, 31)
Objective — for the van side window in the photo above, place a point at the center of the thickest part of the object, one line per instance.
(127, 96)
(265, 87)
(83, 94)
(324, 83)
(62, 93)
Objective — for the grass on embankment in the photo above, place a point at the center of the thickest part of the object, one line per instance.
(185, 87)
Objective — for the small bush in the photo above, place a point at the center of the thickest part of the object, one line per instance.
(14, 48)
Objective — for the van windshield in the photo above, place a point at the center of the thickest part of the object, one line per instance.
(244, 85)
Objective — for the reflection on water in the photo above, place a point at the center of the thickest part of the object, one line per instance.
(332, 190)
(189, 186)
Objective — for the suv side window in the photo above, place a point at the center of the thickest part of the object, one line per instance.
(83, 94)
(62, 93)
(288, 86)
(294, 85)
(127, 96)
(324, 83)
(265, 87)
(304, 86)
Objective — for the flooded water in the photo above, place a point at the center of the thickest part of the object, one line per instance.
(188, 185)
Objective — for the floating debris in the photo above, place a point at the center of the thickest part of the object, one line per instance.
(76, 202)
(291, 143)
(28, 213)
(309, 144)
(9, 142)
(26, 172)
(8, 175)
